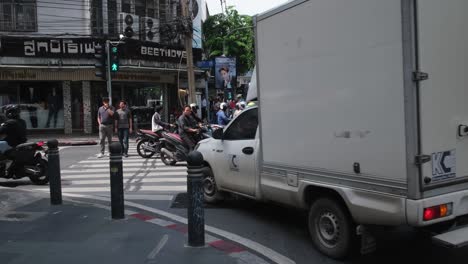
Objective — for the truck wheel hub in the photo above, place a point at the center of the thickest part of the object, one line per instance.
(209, 186)
(329, 229)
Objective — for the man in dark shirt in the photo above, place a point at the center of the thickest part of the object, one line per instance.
(187, 127)
(14, 130)
(105, 120)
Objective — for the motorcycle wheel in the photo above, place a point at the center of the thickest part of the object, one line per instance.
(143, 152)
(43, 178)
(167, 160)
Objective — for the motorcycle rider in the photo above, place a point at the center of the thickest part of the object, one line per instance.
(194, 115)
(156, 123)
(14, 129)
(188, 127)
(239, 107)
(222, 119)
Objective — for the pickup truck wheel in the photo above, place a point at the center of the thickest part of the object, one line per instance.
(210, 190)
(331, 228)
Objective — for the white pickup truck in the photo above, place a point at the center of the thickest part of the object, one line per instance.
(362, 119)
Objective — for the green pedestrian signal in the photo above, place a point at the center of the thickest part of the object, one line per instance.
(114, 59)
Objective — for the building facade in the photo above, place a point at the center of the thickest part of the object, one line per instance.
(47, 59)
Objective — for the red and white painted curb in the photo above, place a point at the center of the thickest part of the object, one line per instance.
(232, 249)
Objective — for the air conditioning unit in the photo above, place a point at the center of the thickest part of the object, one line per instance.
(129, 25)
(150, 27)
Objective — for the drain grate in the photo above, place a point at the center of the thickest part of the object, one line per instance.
(17, 216)
(13, 216)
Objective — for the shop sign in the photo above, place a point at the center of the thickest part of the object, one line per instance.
(48, 48)
(84, 48)
(17, 75)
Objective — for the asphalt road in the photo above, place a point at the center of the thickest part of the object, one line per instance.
(285, 230)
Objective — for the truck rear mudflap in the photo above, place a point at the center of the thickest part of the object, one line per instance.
(456, 238)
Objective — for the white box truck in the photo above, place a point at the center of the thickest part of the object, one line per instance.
(362, 119)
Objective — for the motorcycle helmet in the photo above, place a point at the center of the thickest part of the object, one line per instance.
(242, 105)
(223, 106)
(12, 112)
(194, 106)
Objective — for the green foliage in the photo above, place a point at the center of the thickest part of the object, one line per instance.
(236, 31)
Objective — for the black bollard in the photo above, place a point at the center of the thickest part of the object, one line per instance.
(53, 172)
(196, 214)
(116, 181)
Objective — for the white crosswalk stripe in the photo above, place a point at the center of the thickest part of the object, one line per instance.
(144, 179)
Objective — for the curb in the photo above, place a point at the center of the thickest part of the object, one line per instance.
(229, 248)
(77, 143)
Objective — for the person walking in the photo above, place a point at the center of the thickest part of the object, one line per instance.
(124, 126)
(105, 120)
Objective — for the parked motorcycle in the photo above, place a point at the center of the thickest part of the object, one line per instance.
(174, 149)
(148, 143)
(25, 160)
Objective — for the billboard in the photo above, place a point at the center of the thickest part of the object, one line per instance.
(225, 72)
(197, 13)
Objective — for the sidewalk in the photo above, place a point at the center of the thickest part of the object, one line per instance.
(33, 231)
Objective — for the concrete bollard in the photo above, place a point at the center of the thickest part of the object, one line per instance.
(116, 181)
(196, 214)
(53, 172)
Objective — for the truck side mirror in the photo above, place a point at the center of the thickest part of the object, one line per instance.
(218, 134)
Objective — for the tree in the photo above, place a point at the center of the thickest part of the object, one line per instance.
(236, 32)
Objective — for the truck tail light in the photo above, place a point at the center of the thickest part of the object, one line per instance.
(438, 211)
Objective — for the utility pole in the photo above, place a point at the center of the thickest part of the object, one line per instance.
(188, 48)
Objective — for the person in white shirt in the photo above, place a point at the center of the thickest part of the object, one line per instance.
(156, 123)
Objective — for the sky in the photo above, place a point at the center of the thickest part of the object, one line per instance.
(245, 7)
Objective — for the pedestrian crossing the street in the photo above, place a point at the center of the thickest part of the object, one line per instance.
(144, 179)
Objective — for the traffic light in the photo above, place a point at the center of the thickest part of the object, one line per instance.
(114, 59)
(101, 58)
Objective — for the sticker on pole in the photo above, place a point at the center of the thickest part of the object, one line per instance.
(443, 165)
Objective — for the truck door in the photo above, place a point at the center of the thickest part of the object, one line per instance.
(240, 150)
(443, 96)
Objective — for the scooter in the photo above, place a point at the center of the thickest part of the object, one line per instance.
(174, 149)
(148, 141)
(25, 160)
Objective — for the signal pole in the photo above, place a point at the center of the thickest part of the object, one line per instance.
(188, 48)
(108, 72)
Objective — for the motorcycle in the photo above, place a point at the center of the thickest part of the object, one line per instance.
(25, 160)
(148, 143)
(174, 149)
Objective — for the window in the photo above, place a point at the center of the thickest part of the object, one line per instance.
(140, 8)
(96, 17)
(18, 15)
(244, 127)
(152, 8)
(112, 17)
(126, 6)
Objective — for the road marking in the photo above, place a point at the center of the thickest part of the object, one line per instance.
(181, 188)
(261, 249)
(165, 168)
(158, 247)
(126, 175)
(125, 165)
(127, 181)
(141, 161)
